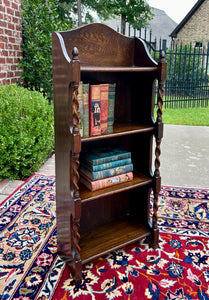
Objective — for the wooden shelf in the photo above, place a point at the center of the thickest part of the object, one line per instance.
(96, 54)
(109, 237)
(117, 69)
(138, 180)
(120, 130)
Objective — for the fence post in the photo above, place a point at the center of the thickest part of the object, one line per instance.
(164, 45)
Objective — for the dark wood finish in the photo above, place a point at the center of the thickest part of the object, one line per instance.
(138, 180)
(109, 237)
(117, 69)
(90, 224)
(121, 129)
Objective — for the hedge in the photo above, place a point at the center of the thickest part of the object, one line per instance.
(26, 131)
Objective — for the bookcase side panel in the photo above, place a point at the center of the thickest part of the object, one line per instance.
(66, 74)
(142, 56)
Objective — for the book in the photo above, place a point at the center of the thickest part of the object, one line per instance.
(105, 173)
(94, 110)
(111, 107)
(85, 109)
(80, 109)
(106, 182)
(102, 155)
(104, 91)
(108, 165)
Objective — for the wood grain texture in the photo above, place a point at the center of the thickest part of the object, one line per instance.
(138, 180)
(89, 224)
(109, 237)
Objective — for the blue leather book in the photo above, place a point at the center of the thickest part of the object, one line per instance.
(108, 165)
(104, 155)
(106, 173)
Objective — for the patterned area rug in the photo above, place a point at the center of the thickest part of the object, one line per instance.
(31, 269)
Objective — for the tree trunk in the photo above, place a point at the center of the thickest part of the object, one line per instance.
(123, 24)
(79, 13)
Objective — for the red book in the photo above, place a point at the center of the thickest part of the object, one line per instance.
(105, 182)
(94, 110)
(104, 93)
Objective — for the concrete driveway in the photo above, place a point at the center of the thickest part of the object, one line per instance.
(185, 156)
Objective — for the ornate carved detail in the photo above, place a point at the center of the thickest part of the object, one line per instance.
(76, 176)
(75, 107)
(76, 237)
(75, 218)
(75, 130)
(158, 135)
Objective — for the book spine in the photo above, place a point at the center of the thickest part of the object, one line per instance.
(85, 109)
(106, 182)
(111, 107)
(106, 173)
(104, 89)
(80, 110)
(109, 165)
(94, 110)
(110, 158)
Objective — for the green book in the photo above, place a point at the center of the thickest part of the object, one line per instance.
(108, 165)
(103, 155)
(85, 109)
(111, 107)
(106, 173)
(80, 110)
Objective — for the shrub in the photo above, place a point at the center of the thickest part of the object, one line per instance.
(26, 131)
(39, 19)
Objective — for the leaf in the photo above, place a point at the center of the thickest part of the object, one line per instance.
(165, 283)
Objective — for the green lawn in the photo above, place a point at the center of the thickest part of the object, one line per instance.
(187, 116)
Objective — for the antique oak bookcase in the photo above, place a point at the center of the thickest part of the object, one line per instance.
(91, 224)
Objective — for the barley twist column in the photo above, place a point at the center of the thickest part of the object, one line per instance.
(158, 137)
(75, 219)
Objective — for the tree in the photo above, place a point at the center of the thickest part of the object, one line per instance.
(39, 19)
(136, 12)
(79, 13)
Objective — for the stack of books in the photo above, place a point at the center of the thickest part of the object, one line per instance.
(96, 108)
(104, 167)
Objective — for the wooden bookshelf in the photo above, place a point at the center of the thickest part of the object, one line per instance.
(117, 69)
(138, 180)
(91, 224)
(109, 237)
(120, 130)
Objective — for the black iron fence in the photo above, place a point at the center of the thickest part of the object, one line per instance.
(187, 83)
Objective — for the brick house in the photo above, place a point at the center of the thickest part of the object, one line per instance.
(194, 27)
(10, 40)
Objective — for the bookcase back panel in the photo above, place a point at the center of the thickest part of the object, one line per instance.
(140, 204)
(142, 98)
(134, 97)
(120, 141)
(140, 146)
(132, 204)
(103, 210)
(96, 49)
(141, 152)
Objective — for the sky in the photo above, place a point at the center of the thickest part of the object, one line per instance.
(175, 9)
